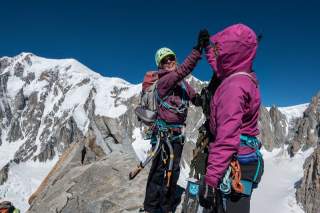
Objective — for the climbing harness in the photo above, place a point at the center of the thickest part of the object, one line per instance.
(232, 179)
(255, 144)
(163, 137)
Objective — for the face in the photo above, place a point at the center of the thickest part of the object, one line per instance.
(216, 50)
(169, 63)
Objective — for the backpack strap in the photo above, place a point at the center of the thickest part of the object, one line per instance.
(184, 101)
(254, 80)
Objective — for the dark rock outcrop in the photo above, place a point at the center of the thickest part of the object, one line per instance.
(308, 192)
(4, 174)
(273, 128)
(266, 129)
(306, 132)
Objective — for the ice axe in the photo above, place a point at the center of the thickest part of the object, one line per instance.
(142, 164)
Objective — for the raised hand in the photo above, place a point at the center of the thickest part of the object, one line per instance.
(203, 38)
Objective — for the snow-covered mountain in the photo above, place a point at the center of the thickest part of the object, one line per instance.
(46, 105)
(38, 95)
(53, 107)
(293, 112)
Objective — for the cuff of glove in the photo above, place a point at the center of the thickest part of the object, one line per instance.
(198, 48)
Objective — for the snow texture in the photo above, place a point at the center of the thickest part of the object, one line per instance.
(7, 150)
(71, 74)
(140, 145)
(293, 112)
(276, 192)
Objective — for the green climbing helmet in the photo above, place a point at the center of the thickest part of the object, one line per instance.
(161, 53)
(16, 210)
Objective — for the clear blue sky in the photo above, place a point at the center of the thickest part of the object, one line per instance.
(119, 38)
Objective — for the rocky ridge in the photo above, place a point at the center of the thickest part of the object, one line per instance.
(308, 135)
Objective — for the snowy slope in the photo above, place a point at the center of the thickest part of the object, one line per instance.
(276, 192)
(140, 146)
(71, 73)
(24, 178)
(293, 112)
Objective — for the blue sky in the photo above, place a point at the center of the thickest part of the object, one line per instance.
(119, 38)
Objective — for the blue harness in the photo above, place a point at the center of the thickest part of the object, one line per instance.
(162, 126)
(254, 143)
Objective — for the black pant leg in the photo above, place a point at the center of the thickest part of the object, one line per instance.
(172, 198)
(157, 196)
(238, 204)
(154, 185)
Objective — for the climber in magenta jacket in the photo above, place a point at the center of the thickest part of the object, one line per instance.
(234, 107)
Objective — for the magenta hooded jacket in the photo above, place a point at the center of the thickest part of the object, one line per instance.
(235, 104)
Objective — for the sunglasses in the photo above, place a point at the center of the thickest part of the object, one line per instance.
(168, 59)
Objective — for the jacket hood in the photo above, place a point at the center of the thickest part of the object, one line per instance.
(237, 46)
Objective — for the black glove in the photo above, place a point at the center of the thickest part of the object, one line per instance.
(206, 195)
(203, 40)
(204, 37)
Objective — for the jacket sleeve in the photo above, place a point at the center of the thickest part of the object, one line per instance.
(167, 82)
(211, 58)
(229, 112)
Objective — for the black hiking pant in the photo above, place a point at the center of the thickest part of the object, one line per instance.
(238, 204)
(159, 198)
(235, 203)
